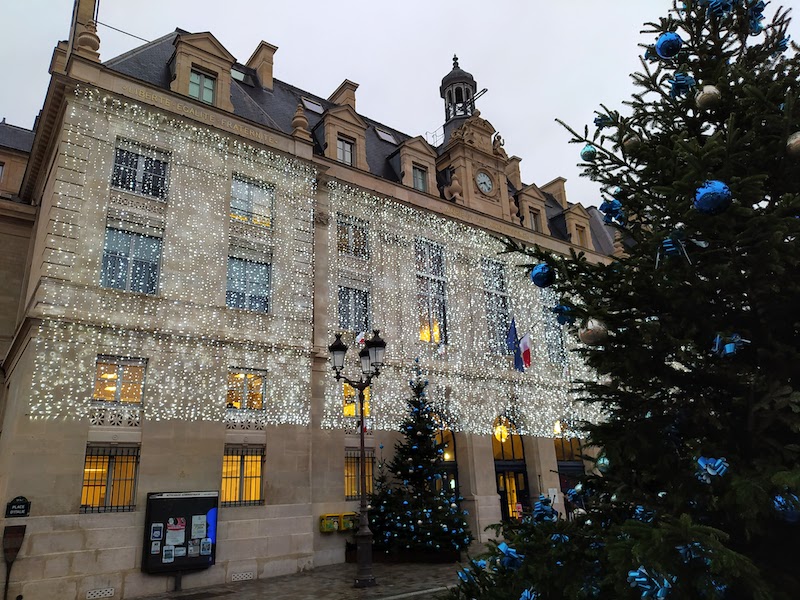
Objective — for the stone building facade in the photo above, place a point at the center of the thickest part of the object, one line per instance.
(202, 230)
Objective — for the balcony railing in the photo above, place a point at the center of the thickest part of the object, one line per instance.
(115, 414)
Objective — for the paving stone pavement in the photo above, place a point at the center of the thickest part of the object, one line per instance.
(334, 582)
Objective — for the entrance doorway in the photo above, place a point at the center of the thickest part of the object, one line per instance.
(510, 470)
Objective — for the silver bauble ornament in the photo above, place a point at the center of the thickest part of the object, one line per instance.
(631, 142)
(793, 145)
(593, 333)
(707, 97)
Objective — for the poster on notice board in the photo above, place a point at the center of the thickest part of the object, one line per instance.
(180, 532)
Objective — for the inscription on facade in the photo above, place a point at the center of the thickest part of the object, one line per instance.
(195, 112)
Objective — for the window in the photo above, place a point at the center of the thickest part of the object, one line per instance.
(351, 236)
(251, 202)
(246, 389)
(248, 284)
(506, 444)
(140, 169)
(498, 313)
(535, 218)
(353, 309)
(386, 136)
(344, 150)
(568, 449)
(119, 379)
(431, 291)
(201, 86)
(581, 233)
(553, 332)
(445, 439)
(238, 75)
(313, 106)
(350, 396)
(352, 472)
(420, 178)
(130, 261)
(2, 169)
(242, 476)
(109, 479)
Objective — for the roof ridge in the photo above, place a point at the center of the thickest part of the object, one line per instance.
(111, 62)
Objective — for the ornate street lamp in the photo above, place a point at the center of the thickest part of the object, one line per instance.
(371, 361)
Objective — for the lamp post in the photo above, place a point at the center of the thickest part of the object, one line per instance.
(371, 359)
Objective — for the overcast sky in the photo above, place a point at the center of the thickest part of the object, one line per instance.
(539, 60)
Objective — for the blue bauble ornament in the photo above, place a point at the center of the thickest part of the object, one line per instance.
(788, 507)
(588, 153)
(543, 275)
(668, 45)
(712, 198)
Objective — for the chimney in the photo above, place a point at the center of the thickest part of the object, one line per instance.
(512, 172)
(557, 190)
(345, 94)
(261, 61)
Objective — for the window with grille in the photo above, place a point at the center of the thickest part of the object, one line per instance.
(420, 175)
(344, 150)
(251, 201)
(246, 389)
(248, 285)
(130, 261)
(351, 236)
(202, 86)
(353, 309)
(140, 169)
(350, 401)
(119, 379)
(498, 305)
(352, 473)
(431, 291)
(242, 476)
(109, 479)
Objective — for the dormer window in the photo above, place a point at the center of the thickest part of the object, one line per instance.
(420, 178)
(345, 150)
(202, 86)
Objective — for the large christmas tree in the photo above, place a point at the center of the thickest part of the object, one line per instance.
(412, 508)
(694, 330)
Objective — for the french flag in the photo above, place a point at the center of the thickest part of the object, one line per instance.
(360, 338)
(525, 350)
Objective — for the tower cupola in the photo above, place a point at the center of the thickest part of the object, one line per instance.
(458, 92)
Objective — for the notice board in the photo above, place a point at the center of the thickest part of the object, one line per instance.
(180, 531)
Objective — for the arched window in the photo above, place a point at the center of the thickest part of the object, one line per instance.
(444, 438)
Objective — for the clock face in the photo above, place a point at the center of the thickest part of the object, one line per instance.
(484, 182)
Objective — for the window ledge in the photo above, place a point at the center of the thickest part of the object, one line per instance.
(127, 192)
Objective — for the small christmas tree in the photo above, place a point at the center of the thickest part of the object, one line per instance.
(693, 330)
(412, 508)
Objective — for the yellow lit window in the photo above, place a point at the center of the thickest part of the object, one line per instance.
(350, 395)
(506, 444)
(109, 479)
(252, 201)
(119, 379)
(352, 474)
(242, 476)
(246, 389)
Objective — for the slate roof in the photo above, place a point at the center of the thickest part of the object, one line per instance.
(16, 138)
(275, 109)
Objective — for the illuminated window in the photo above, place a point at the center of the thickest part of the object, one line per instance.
(350, 396)
(130, 261)
(252, 202)
(109, 479)
(553, 332)
(431, 291)
(498, 312)
(506, 444)
(242, 476)
(119, 379)
(246, 389)
(139, 169)
(353, 309)
(201, 86)
(420, 178)
(535, 218)
(248, 284)
(351, 236)
(344, 150)
(352, 474)
(568, 449)
(445, 439)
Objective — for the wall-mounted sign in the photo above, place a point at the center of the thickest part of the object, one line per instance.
(18, 507)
